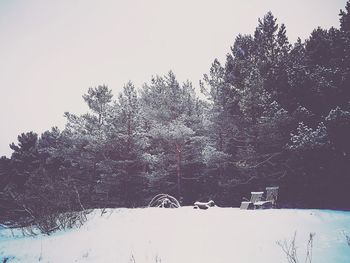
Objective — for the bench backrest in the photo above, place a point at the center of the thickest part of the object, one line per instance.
(272, 194)
(256, 197)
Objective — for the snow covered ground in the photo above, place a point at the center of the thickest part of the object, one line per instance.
(187, 235)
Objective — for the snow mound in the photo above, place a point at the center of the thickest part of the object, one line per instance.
(186, 235)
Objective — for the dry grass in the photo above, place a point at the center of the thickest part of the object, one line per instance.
(290, 249)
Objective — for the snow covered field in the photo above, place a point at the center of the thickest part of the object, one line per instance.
(187, 235)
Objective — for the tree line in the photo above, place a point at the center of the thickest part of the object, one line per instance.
(274, 113)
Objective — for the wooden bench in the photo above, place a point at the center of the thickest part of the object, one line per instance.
(271, 199)
(257, 202)
(255, 197)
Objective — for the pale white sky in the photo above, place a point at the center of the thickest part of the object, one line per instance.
(51, 52)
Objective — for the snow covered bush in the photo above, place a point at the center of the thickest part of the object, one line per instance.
(48, 224)
(47, 205)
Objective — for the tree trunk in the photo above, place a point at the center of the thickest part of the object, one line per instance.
(221, 143)
(92, 183)
(178, 169)
(129, 132)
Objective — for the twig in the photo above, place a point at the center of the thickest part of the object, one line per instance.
(78, 195)
(266, 160)
(347, 237)
(290, 250)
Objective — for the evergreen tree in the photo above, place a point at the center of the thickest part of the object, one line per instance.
(172, 118)
(25, 158)
(345, 18)
(86, 139)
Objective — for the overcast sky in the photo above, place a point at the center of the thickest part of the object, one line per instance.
(51, 52)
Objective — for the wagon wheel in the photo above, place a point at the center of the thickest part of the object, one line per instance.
(164, 200)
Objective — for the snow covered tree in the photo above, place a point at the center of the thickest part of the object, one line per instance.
(173, 120)
(98, 99)
(86, 138)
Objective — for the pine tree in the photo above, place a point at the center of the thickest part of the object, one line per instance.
(345, 18)
(172, 117)
(86, 141)
(97, 100)
(25, 158)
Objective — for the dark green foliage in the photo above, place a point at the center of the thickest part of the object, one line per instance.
(345, 18)
(275, 113)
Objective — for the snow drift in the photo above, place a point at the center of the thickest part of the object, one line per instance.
(186, 235)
